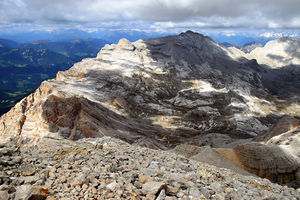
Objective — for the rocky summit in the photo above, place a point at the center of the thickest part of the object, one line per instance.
(108, 168)
(185, 96)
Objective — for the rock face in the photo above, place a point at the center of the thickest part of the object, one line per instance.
(164, 92)
(265, 161)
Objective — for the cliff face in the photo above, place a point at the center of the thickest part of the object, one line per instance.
(160, 93)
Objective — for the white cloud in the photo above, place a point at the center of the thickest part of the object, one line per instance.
(163, 13)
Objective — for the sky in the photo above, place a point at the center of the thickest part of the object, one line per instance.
(151, 15)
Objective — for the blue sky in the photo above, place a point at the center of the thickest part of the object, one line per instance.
(261, 17)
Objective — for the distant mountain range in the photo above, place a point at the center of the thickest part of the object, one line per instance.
(113, 36)
(24, 66)
(247, 48)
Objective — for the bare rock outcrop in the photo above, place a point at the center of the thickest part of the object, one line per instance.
(267, 161)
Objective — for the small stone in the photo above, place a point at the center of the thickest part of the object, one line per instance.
(6, 151)
(94, 190)
(170, 198)
(27, 170)
(31, 179)
(67, 166)
(22, 192)
(216, 186)
(51, 174)
(56, 166)
(84, 186)
(50, 198)
(161, 195)
(112, 186)
(31, 192)
(194, 192)
(150, 197)
(75, 182)
(145, 178)
(79, 180)
(9, 172)
(4, 195)
(78, 188)
(205, 192)
(110, 195)
(153, 187)
(17, 159)
(219, 197)
(228, 190)
(63, 179)
(11, 189)
(38, 193)
(3, 187)
(172, 190)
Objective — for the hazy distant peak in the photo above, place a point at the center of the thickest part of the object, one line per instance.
(40, 41)
(278, 53)
(247, 48)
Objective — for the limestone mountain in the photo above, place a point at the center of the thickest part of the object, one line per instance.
(183, 89)
(247, 48)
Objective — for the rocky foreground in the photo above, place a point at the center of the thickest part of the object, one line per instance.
(108, 168)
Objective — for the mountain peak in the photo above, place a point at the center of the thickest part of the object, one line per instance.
(163, 92)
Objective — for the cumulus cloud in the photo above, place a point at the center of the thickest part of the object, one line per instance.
(168, 13)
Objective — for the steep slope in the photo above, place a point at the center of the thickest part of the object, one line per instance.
(160, 93)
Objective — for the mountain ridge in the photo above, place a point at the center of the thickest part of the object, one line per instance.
(164, 92)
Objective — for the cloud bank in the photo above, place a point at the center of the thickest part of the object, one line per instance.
(156, 13)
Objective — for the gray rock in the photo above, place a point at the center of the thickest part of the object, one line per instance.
(6, 151)
(23, 192)
(153, 187)
(4, 195)
(217, 187)
(29, 192)
(194, 192)
(3, 187)
(16, 159)
(112, 186)
(80, 179)
(162, 195)
(31, 179)
(27, 170)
